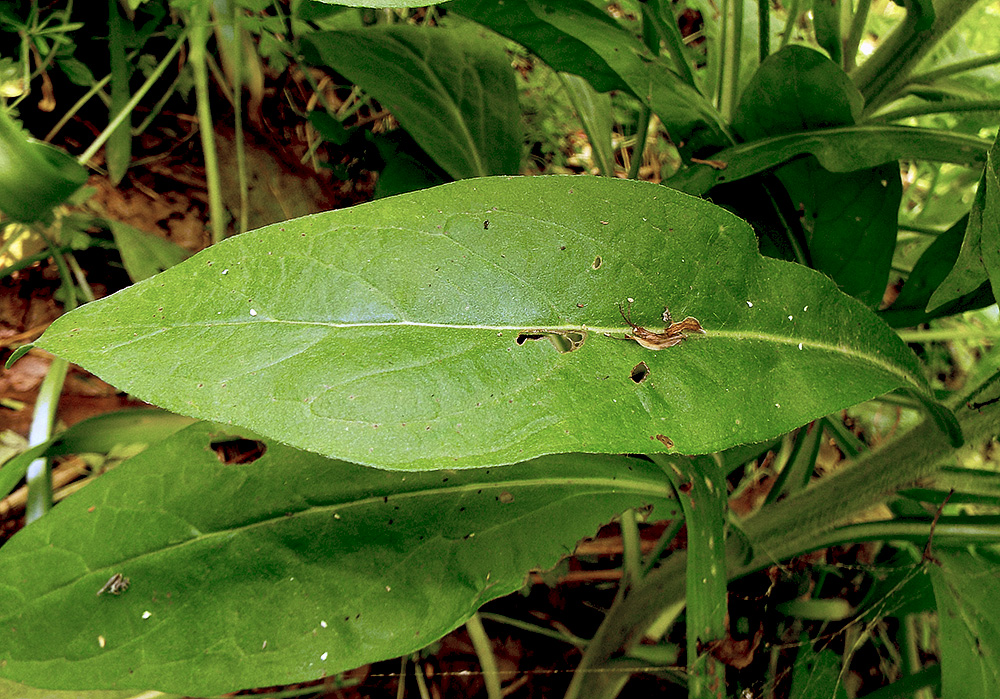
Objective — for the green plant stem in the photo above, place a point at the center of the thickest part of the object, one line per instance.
(786, 33)
(241, 155)
(667, 31)
(948, 334)
(419, 676)
(641, 136)
(401, 687)
(26, 262)
(564, 637)
(787, 528)
(198, 24)
(729, 69)
(954, 69)
(39, 474)
(631, 549)
(484, 650)
(955, 531)
(763, 29)
(943, 107)
(94, 89)
(852, 41)
(850, 445)
(880, 77)
(668, 535)
(136, 98)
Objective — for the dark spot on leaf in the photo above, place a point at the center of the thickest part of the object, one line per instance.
(640, 372)
(238, 450)
(563, 341)
(597, 262)
(486, 225)
(664, 440)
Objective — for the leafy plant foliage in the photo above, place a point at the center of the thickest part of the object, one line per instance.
(494, 345)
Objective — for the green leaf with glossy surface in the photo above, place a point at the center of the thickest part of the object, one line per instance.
(967, 589)
(285, 569)
(411, 332)
(840, 149)
(451, 88)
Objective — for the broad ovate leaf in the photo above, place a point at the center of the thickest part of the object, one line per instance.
(479, 323)
(285, 569)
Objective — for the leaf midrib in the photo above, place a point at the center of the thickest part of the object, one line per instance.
(603, 484)
(613, 332)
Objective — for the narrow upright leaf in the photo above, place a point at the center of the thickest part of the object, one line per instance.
(451, 88)
(700, 487)
(144, 254)
(577, 37)
(594, 110)
(484, 322)
(979, 257)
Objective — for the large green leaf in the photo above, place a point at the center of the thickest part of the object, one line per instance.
(967, 589)
(402, 333)
(285, 569)
(576, 37)
(451, 88)
(793, 90)
(849, 219)
(839, 149)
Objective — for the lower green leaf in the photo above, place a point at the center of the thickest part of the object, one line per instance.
(967, 589)
(285, 569)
